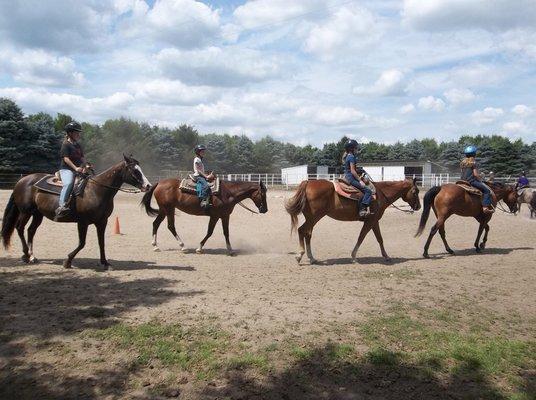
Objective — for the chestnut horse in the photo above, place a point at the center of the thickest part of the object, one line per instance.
(316, 199)
(450, 199)
(94, 206)
(169, 196)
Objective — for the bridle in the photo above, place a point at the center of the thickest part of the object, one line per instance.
(127, 190)
(249, 209)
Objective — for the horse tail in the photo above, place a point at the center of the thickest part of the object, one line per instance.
(296, 204)
(11, 215)
(428, 201)
(146, 202)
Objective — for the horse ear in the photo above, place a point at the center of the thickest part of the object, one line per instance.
(125, 158)
(415, 181)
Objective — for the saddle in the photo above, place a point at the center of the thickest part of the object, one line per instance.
(53, 184)
(470, 189)
(521, 189)
(188, 185)
(345, 189)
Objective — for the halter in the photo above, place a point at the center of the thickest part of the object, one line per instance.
(247, 208)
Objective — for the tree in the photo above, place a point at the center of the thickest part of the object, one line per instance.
(46, 155)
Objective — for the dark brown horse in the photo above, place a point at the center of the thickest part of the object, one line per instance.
(316, 199)
(450, 199)
(169, 196)
(93, 207)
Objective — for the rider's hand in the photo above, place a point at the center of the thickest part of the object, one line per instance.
(79, 169)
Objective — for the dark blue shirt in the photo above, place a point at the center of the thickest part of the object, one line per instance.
(522, 181)
(350, 159)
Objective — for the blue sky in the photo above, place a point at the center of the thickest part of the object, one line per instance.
(304, 71)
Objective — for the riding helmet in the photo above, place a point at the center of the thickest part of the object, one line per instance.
(350, 144)
(199, 148)
(73, 126)
(470, 151)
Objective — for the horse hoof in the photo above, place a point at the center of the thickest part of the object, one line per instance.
(25, 259)
(450, 251)
(199, 251)
(231, 253)
(482, 246)
(34, 260)
(67, 264)
(313, 261)
(156, 249)
(387, 259)
(425, 255)
(478, 250)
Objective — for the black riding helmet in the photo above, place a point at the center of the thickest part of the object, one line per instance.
(199, 148)
(73, 126)
(351, 145)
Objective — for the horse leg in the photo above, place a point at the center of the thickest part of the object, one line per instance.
(101, 228)
(301, 238)
(437, 226)
(379, 238)
(156, 225)
(36, 221)
(306, 232)
(171, 227)
(444, 238)
(211, 225)
(225, 225)
(82, 233)
(21, 223)
(364, 230)
(480, 229)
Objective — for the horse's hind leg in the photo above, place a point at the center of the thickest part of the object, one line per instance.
(156, 225)
(367, 226)
(225, 226)
(306, 232)
(21, 223)
(437, 226)
(36, 221)
(301, 239)
(379, 238)
(480, 230)
(444, 238)
(171, 227)
(210, 230)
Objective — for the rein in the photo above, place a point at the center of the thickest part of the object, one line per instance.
(501, 208)
(127, 190)
(247, 208)
(400, 209)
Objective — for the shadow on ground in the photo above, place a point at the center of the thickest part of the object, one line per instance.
(37, 309)
(321, 375)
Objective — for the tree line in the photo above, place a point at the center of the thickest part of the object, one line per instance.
(31, 143)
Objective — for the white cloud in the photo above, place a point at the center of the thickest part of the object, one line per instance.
(349, 28)
(514, 127)
(37, 67)
(487, 115)
(522, 110)
(390, 83)
(256, 13)
(431, 103)
(216, 66)
(493, 15)
(92, 109)
(407, 108)
(163, 91)
(331, 115)
(459, 96)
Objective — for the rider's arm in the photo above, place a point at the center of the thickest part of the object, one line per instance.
(476, 174)
(353, 171)
(199, 172)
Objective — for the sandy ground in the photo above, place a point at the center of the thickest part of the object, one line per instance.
(261, 292)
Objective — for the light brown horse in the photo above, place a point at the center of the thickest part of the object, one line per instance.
(450, 199)
(316, 199)
(93, 207)
(169, 196)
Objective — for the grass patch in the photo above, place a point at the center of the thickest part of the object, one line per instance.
(249, 360)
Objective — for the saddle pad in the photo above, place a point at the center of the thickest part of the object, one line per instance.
(50, 184)
(188, 186)
(345, 190)
(468, 188)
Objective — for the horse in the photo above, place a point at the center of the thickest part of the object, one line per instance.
(93, 207)
(450, 199)
(169, 196)
(525, 196)
(533, 205)
(318, 198)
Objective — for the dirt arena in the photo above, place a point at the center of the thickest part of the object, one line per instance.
(176, 324)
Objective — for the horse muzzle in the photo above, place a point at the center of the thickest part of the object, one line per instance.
(263, 209)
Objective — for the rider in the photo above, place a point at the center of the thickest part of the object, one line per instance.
(353, 177)
(201, 179)
(522, 181)
(469, 173)
(72, 158)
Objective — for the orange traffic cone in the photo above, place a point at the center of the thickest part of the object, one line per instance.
(117, 230)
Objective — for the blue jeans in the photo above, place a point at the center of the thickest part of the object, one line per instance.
(67, 178)
(486, 193)
(202, 188)
(367, 193)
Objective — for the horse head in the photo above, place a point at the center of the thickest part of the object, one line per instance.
(411, 196)
(259, 198)
(133, 175)
(510, 197)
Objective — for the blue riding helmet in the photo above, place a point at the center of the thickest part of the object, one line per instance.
(470, 150)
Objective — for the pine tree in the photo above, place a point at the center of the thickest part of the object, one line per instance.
(47, 146)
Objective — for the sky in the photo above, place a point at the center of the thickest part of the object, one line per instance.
(302, 71)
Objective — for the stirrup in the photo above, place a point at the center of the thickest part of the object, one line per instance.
(488, 210)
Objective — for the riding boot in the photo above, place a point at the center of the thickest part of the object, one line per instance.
(488, 210)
